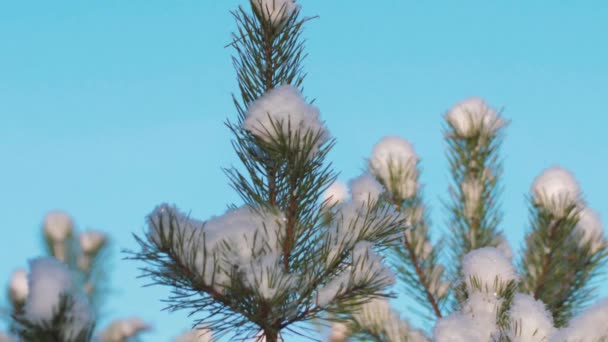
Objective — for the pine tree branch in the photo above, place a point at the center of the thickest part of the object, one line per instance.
(546, 260)
(376, 321)
(475, 170)
(291, 222)
(557, 268)
(415, 243)
(422, 277)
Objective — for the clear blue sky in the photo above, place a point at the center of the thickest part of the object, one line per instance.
(108, 108)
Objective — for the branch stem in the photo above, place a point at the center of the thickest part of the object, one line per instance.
(422, 278)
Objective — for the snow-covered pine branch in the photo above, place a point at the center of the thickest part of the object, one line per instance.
(80, 251)
(494, 311)
(488, 283)
(394, 163)
(302, 247)
(565, 247)
(58, 227)
(69, 282)
(377, 321)
(55, 308)
(590, 325)
(236, 258)
(474, 135)
(18, 289)
(288, 254)
(275, 12)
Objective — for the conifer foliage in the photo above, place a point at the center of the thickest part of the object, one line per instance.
(303, 246)
(61, 298)
(285, 256)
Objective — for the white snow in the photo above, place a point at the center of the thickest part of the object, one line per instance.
(252, 239)
(555, 189)
(91, 241)
(365, 188)
(394, 160)
(132, 326)
(366, 266)
(591, 229)
(458, 327)
(276, 10)
(120, 330)
(481, 306)
(473, 116)
(6, 338)
(530, 320)
(339, 332)
(48, 281)
(288, 111)
(196, 335)
(503, 246)
(476, 322)
(327, 293)
(588, 326)
(18, 286)
(336, 193)
(239, 227)
(58, 226)
(488, 265)
(379, 317)
(266, 276)
(353, 221)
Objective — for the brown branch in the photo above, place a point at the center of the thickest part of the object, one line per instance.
(202, 287)
(268, 62)
(422, 278)
(418, 267)
(291, 222)
(474, 228)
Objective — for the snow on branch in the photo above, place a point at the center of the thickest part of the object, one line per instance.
(366, 271)
(242, 240)
(58, 227)
(556, 190)
(487, 269)
(376, 320)
(195, 335)
(490, 280)
(472, 117)
(474, 136)
(565, 247)
(590, 230)
(336, 193)
(365, 189)
(54, 305)
(362, 218)
(394, 162)
(529, 320)
(18, 288)
(590, 325)
(283, 113)
(123, 330)
(275, 11)
(7, 338)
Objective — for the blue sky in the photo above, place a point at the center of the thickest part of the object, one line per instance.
(110, 108)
